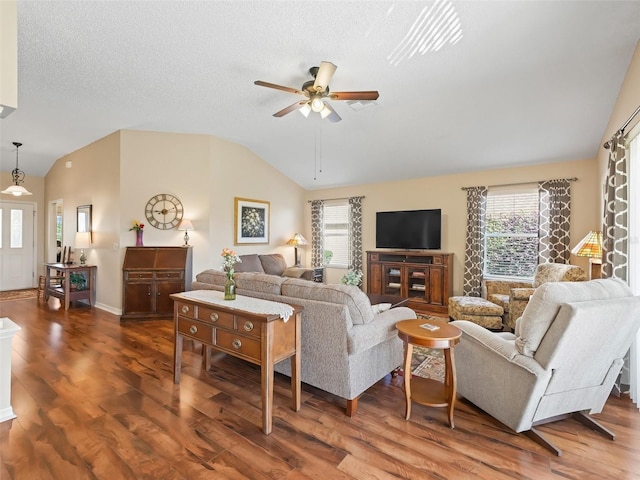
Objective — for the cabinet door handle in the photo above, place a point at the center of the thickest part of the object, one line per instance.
(236, 343)
(149, 292)
(248, 326)
(193, 329)
(214, 317)
(185, 309)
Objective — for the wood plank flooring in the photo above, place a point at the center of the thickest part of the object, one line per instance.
(95, 400)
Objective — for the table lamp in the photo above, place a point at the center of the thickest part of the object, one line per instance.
(591, 246)
(186, 226)
(297, 241)
(82, 241)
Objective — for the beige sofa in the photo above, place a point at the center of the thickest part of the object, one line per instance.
(346, 345)
(271, 264)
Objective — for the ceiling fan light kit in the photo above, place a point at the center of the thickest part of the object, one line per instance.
(317, 92)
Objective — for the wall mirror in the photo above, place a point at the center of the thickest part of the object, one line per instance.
(84, 218)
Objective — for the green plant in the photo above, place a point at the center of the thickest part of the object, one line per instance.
(78, 281)
(352, 277)
(327, 255)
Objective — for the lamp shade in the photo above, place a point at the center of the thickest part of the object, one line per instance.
(82, 240)
(297, 240)
(185, 225)
(590, 246)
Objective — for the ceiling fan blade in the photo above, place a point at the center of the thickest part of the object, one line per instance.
(324, 76)
(333, 117)
(368, 95)
(289, 109)
(278, 87)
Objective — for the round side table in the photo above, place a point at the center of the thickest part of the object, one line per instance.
(427, 391)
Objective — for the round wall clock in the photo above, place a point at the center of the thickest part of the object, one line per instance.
(164, 211)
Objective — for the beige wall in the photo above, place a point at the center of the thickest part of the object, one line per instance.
(36, 185)
(119, 173)
(93, 179)
(446, 192)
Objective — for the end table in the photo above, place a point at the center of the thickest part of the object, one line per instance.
(427, 391)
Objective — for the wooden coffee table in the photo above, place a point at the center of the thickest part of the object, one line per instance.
(427, 391)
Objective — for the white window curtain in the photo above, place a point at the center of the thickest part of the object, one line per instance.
(634, 255)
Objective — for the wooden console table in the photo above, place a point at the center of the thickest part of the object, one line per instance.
(63, 290)
(256, 330)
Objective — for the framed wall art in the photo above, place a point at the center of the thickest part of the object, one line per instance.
(84, 218)
(251, 221)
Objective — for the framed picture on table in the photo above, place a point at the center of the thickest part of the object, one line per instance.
(251, 221)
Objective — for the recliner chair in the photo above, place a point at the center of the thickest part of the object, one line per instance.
(563, 359)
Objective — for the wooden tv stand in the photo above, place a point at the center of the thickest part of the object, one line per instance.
(425, 278)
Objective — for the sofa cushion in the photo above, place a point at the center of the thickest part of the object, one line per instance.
(214, 277)
(546, 301)
(355, 299)
(273, 263)
(259, 282)
(249, 263)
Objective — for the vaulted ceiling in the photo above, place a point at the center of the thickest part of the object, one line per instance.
(464, 85)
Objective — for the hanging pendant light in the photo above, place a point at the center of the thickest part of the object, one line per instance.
(18, 177)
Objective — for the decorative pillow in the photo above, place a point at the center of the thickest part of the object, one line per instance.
(214, 277)
(355, 299)
(273, 264)
(249, 263)
(258, 282)
(546, 301)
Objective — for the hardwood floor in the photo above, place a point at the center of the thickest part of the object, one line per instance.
(96, 400)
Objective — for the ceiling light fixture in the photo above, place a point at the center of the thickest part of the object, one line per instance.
(305, 110)
(317, 105)
(325, 112)
(18, 177)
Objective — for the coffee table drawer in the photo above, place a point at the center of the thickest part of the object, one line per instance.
(219, 319)
(247, 327)
(194, 329)
(240, 345)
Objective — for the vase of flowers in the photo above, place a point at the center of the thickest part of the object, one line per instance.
(139, 229)
(230, 259)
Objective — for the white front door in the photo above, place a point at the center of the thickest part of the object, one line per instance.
(16, 245)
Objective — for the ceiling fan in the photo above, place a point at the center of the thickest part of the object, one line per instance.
(317, 92)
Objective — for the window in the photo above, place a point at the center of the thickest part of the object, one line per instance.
(511, 235)
(336, 232)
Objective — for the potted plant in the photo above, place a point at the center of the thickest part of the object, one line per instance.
(78, 281)
(352, 277)
(327, 256)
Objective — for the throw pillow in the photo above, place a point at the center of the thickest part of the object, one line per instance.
(273, 264)
(249, 263)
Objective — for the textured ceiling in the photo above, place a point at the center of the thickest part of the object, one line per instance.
(527, 83)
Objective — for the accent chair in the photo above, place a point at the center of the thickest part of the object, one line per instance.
(563, 359)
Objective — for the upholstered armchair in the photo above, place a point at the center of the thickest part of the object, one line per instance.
(545, 272)
(498, 291)
(563, 359)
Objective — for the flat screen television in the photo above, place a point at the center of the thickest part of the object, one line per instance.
(409, 229)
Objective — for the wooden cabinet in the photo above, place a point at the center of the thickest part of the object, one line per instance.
(425, 278)
(150, 276)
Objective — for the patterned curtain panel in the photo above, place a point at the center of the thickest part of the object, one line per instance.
(355, 233)
(555, 218)
(474, 250)
(317, 247)
(615, 228)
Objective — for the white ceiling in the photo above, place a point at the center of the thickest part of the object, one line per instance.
(528, 82)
